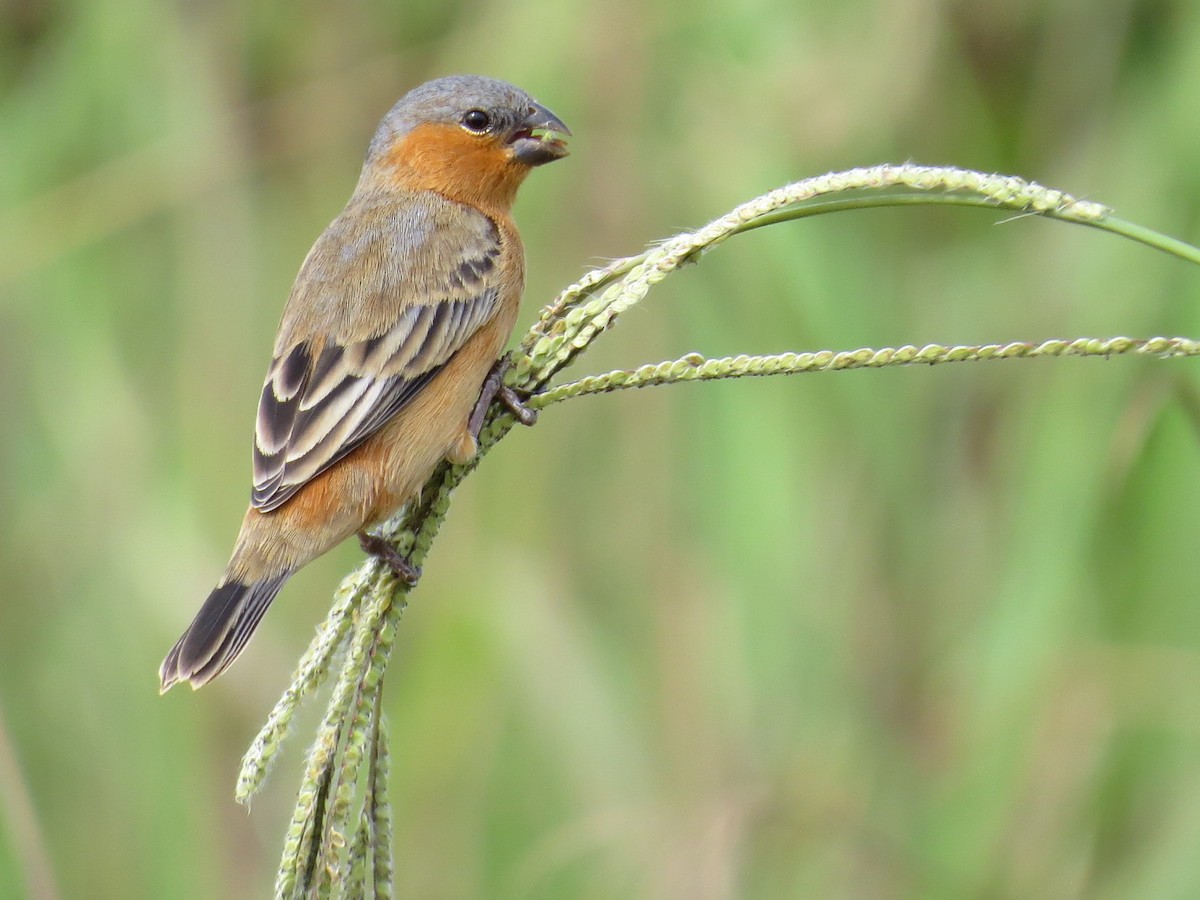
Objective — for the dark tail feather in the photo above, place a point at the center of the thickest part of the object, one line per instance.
(219, 632)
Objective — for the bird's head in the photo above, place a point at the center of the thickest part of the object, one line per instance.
(470, 138)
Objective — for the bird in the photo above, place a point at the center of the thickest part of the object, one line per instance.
(388, 350)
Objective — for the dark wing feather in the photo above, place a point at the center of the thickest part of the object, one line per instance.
(324, 397)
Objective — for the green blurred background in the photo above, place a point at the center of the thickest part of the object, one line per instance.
(910, 633)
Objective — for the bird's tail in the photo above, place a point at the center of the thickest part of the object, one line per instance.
(219, 632)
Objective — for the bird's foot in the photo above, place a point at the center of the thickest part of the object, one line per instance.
(382, 550)
(494, 388)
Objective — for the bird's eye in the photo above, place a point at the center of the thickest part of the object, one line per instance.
(476, 120)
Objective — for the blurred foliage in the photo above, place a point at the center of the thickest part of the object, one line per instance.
(891, 634)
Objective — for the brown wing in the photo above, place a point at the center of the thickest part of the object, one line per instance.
(401, 292)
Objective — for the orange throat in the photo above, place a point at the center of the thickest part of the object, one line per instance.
(467, 168)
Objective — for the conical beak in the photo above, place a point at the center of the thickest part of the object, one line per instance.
(541, 138)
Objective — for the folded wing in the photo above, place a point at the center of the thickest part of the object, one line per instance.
(403, 301)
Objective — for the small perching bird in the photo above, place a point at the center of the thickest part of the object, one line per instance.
(386, 356)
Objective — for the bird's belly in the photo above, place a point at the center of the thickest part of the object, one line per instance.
(424, 433)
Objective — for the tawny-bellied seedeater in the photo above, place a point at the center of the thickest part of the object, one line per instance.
(382, 361)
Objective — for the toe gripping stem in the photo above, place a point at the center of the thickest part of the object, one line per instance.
(382, 550)
(494, 389)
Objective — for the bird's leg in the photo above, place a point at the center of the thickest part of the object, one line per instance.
(381, 549)
(494, 388)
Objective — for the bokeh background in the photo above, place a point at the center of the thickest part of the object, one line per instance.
(889, 634)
